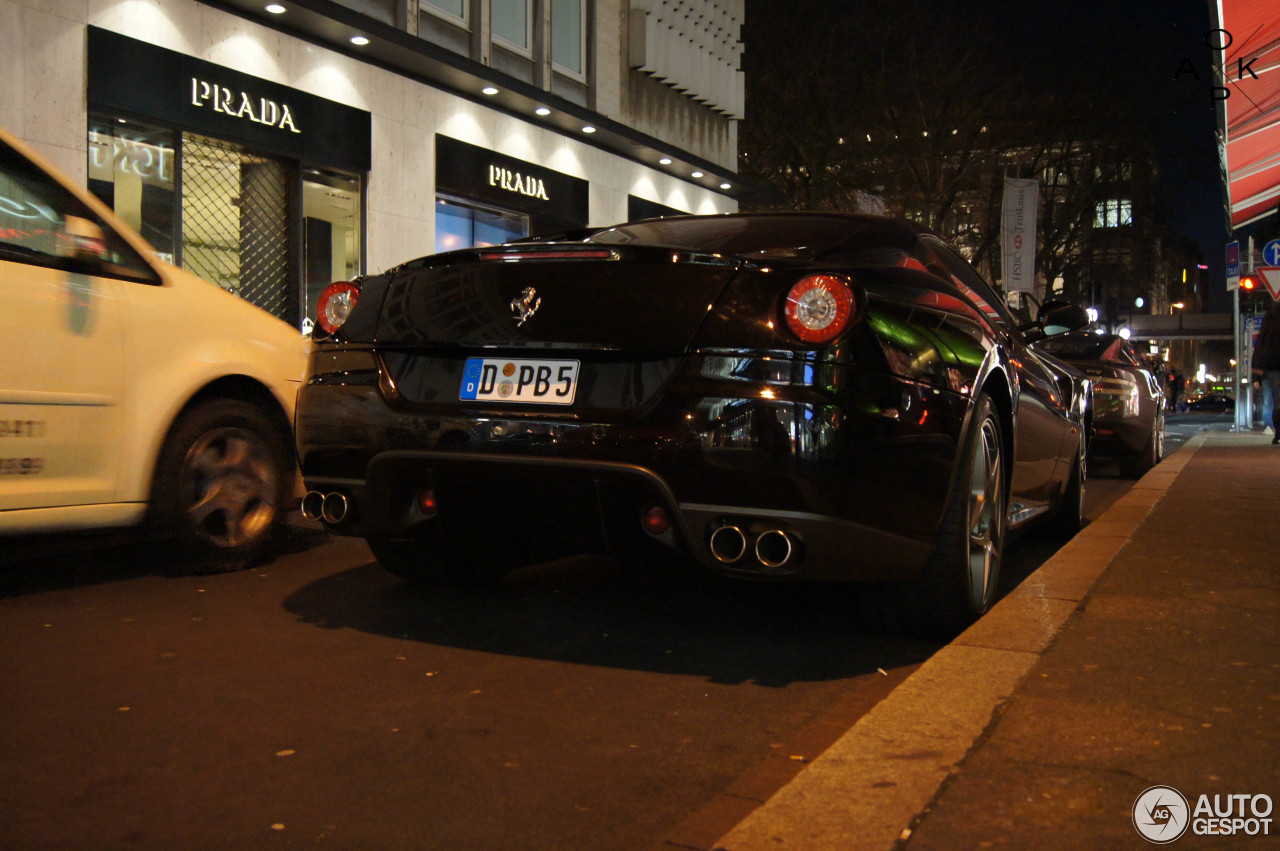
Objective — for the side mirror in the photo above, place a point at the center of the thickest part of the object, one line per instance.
(83, 240)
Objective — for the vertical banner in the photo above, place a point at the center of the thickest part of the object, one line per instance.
(1018, 234)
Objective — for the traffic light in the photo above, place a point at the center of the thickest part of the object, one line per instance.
(1250, 290)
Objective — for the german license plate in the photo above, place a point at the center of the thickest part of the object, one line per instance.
(541, 382)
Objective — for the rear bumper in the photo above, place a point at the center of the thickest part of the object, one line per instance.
(857, 491)
(560, 507)
(1116, 435)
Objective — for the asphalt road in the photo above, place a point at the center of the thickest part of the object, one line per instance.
(316, 701)
(319, 702)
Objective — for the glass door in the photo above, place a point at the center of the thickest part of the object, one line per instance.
(331, 234)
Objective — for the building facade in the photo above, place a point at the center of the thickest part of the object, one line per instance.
(273, 147)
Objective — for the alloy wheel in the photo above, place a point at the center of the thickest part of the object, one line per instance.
(229, 487)
(986, 518)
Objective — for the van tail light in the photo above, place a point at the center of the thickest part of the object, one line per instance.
(819, 308)
(336, 303)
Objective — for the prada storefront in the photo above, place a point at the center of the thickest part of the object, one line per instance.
(252, 185)
(486, 198)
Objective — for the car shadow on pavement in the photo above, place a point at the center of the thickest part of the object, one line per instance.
(39, 563)
(590, 611)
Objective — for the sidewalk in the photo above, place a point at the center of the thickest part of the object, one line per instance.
(1145, 653)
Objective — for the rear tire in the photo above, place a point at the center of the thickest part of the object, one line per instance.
(1137, 465)
(407, 559)
(959, 583)
(423, 562)
(1070, 516)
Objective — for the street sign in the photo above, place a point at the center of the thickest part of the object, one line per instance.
(1271, 253)
(1233, 265)
(1271, 275)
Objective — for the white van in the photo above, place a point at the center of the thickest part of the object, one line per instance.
(130, 390)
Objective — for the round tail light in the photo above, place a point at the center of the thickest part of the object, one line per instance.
(818, 308)
(335, 305)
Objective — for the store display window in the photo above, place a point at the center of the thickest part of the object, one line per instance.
(464, 225)
(133, 169)
(269, 229)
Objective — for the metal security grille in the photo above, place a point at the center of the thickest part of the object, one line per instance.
(235, 222)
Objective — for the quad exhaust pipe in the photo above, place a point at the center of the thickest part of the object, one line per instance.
(728, 544)
(332, 508)
(772, 548)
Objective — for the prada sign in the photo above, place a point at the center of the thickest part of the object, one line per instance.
(529, 186)
(242, 105)
(472, 172)
(146, 81)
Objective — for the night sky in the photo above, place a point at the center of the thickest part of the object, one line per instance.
(1153, 51)
(1157, 53)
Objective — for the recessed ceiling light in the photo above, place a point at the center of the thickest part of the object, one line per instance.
(275, 9)
(542, 110)
(588, 129)
(697, 174)
(725, 186)
(665, 160)
(359, 40)
(489, 90)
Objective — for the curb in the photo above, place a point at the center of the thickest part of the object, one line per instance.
(867, 789)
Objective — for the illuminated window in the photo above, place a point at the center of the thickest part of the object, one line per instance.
(1113, 214)
(132, 168)
(331, 221)
(461, 225)
(231, 218)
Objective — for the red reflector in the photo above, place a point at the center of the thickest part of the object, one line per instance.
(656, 520)
(546, 255)
(335, 304)
(427, 502)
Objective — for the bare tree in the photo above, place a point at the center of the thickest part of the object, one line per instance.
(844, 104)
(843, 100)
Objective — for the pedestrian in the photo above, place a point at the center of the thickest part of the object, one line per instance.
(1266, 364)
(1177, 383)
(1267, 407)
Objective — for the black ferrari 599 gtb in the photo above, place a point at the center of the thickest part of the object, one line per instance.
(777, 395)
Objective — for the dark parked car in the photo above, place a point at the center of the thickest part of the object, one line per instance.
(1213, 403)
(1128, 403)
(800, 396)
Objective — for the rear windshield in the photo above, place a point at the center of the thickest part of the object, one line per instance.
(1085, 347)
(765, 237)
